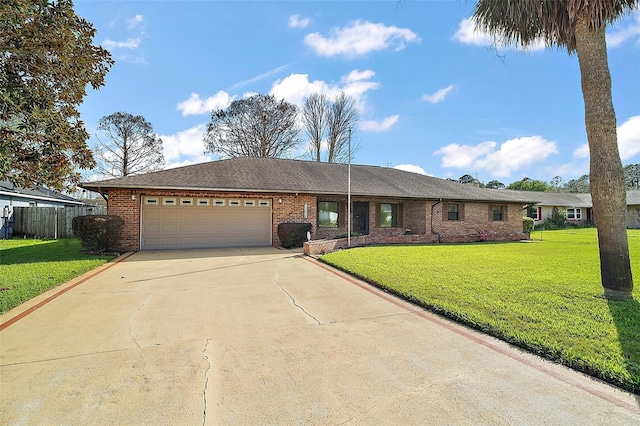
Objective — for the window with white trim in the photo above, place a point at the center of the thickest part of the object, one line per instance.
(234, 203)
(186, 202)
(151, 201)
(574, 213)
(203, 202)
(532, 212)
(263, 203)
(249, 203)
(218, 203)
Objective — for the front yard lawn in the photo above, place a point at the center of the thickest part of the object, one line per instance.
(31, 267)
(544, 296)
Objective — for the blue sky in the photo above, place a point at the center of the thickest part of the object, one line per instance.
(433, 96)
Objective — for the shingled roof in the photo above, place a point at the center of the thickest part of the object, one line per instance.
(275, 175)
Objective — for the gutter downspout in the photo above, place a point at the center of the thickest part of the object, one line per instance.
(432, 230)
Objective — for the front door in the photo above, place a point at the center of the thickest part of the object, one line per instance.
(361, 218)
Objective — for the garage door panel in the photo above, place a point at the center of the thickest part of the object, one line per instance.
(174, 227)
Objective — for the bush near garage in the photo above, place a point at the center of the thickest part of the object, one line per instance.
(293, 234)
(98, 233)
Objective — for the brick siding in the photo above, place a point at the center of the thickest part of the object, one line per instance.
(303, 208)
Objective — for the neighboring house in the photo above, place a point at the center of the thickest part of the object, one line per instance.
(11, 197)
(241, 202)
(633, 209)
(577, 208)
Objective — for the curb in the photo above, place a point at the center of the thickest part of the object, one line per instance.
(16, 314)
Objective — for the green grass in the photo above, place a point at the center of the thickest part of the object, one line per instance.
(545, 295)
(31, 267)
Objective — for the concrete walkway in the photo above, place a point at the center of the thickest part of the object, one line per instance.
(266, 336)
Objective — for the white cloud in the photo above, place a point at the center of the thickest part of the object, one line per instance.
(511, 156)
(357, 75)
(360, 38)
(295, 21)
(185, 147)
(628, 140)
(194, 105)
(131, 43)
(132, 23)
(582, 151)
(618, 37)
(439, 95)
(374, 126)
(411, 168)
(467, 34)
(296, 87)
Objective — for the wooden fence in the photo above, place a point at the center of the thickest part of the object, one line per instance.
(49, 222)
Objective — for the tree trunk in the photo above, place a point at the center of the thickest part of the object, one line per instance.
(608, 192)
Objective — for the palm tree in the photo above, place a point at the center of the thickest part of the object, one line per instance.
(579, 25)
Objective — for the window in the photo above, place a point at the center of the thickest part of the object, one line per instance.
(575, 214)
(186, 202)
(453, 211)
(218, 203)
(169, 201)
(263, 203)
(203, 201)
(151, 201)
(497, 213)
(532, 212)
(328, 214)
(249, 203)
(388, 215)
(234, 203)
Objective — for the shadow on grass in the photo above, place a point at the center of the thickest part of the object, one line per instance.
(47, 251)
(626, 317)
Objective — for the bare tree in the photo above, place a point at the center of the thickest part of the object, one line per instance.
(314, 121)
(341, 118)
(258, 126)
(128, 146)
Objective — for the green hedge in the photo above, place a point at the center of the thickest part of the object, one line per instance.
(99, 233)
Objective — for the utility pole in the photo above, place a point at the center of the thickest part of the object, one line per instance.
(349, 196)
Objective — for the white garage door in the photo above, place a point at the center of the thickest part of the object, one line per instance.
(176, 222)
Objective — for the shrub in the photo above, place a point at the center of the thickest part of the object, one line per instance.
(99, 233)
(558, 220)
(528, 224)
(293, 234)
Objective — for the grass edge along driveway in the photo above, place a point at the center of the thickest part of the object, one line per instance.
(544, 296)
(30, 267)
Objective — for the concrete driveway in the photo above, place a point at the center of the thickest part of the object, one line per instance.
(266, 336)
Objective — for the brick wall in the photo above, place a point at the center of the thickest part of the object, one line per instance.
(302, 208)
(121, 204)
(476, 224)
